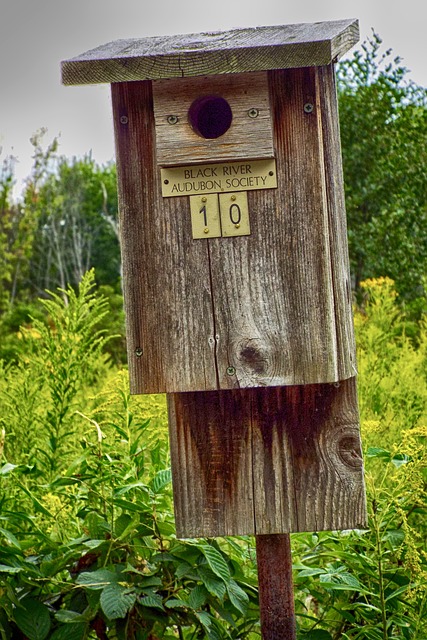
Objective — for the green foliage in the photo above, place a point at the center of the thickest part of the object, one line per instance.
(383, 119)
(88, 546)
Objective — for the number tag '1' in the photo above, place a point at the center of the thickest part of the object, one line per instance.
(214, 215)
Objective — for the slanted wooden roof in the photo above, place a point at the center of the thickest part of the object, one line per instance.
(236, 51)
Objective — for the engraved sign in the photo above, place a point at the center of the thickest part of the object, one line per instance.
(245, 175)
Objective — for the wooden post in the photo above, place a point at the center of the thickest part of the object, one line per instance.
(236, 279)
(275, 587)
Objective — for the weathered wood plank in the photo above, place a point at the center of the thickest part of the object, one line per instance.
(273, 290)
(265, 461)
(340, 267)
(246, 138)
(210, 440)
(236, 51)
(166, 279)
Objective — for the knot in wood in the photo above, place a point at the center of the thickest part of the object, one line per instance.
(349, 452)
(253, 358)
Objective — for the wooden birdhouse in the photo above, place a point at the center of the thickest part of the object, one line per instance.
(235, 269)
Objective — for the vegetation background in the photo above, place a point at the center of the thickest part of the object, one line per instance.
(88, 548)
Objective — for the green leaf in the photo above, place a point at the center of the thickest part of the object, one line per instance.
(160, 480)
(311, 572)
(395, 537)
(378, 452)
(204, 618)
(77, 631)
(4, 568)
(65, 616)
(238, 597)
(97, 579)
(96, 525)
(396, 593)
(10, 538)
(33, 619)
(152, 601)
(117, 600)
(198, 597)
(216, 562)
(214, 585)
(176, 603)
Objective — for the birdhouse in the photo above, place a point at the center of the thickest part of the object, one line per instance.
(235, 269)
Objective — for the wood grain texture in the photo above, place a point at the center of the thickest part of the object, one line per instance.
(273, 291)
(267, 309)
(246, 138)
(166, 277)
(267, 461)
(236, 51)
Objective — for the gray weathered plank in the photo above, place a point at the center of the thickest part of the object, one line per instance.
(264, 461)
(246, 138)
(236, 51)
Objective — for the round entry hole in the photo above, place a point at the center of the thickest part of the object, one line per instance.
(210, 116)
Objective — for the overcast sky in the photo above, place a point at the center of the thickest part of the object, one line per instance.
(35, 35)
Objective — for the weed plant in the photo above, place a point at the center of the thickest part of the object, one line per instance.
(87, 540)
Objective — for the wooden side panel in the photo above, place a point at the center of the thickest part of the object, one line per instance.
(264, 461)
(337, 220)
(247, 137)
(168, 304)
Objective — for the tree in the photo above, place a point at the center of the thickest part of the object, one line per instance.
(75, 203)
(383, 119)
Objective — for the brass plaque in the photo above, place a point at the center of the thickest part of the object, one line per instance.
(234, 214)
(205, 222)
(245, 175)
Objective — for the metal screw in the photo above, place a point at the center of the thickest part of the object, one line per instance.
(124, 119)
(271, 173)
(253, 113)
(231, 371)
(237, 226)
(173, 119)
(138, 352)
(233, 198)
(308, 107)
(165, 181)
(205, 230)
(204, 199)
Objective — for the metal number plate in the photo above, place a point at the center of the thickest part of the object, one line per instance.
(234, 214)
(205, 221)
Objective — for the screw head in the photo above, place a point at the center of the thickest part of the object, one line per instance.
(308, 107)
(172, 119)
(124, 119)
(138, 352)
(253, 113)
(231, 371)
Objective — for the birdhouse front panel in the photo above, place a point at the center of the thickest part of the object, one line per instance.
(234, 246)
